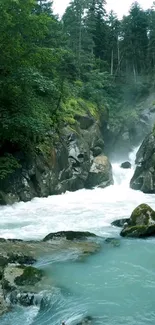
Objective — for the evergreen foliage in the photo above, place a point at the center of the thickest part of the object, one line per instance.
(50, 68)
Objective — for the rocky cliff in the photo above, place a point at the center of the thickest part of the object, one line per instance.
(144, 176)
(74, 160)
(129, 129)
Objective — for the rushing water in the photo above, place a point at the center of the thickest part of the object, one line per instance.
(115, 286)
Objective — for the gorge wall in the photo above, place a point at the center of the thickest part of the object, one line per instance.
(76, 160)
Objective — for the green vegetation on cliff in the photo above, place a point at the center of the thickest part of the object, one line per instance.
(51, 69)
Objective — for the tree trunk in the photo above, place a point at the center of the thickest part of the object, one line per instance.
(112, 62)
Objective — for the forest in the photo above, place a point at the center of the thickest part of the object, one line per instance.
(51, 68)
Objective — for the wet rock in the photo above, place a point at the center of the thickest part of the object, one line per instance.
(144, 175)
(69, 235)
(86, 321)
(120, 222)
(115, 242)
(21, 283)
(24, 299)
(141, 223)
(4, 306)
(30, 276)
(21, 259)
(126, 165)
(100, 173)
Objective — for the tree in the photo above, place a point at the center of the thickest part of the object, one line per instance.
(28, 89)
(135, 40)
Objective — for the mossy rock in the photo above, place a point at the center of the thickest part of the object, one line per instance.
(138, 231)
(3, 261)
(142, 215)
(21, 259)
(120, 222)
(30, 276)
(69, 235)
(88, 320)
(115, 242)
(141, 223)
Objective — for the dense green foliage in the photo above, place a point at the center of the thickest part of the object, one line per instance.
(51, 68)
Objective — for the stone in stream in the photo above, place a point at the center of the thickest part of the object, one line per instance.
(114, 242)
(120, 222)
(69, 235)
(126, 165)
(19, 281)
(88, 320)
(141, 223)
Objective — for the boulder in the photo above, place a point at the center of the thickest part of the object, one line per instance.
(114, 242)
(21, 284)
(141, 223)
(86, 321)
(69, 235)
(120, 222)
(144, 175)
(126, 165)
(4, 306)
(100, 173)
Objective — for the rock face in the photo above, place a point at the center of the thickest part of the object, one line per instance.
(126, 165)
(120, 222)
(100, 173)
(120, 140)
(74, 161)
(141, 223)
(144, 176)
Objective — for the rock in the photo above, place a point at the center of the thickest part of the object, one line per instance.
(126, 165)
(100, 173)
(86, 321)
(24, 285)
(29, 276)
(60, 166)
(141, 223)
(4, 306)
(21, 284)
(115, 242)
(120, 222)
(21, 259)
(97, 151)
(144, 176)
(69, 235)
(85, 121)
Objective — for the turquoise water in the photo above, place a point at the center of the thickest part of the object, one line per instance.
(115, 286)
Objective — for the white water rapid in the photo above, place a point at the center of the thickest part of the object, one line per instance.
(91, 210)
(115, 286)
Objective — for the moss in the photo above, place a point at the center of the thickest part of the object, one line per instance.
(30, 276)
(8, 164)
(141, 215)
(78, 106)
(135, 231)
(69, 235)
(20, 259)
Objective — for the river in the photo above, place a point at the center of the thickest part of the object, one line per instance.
(115, 286)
